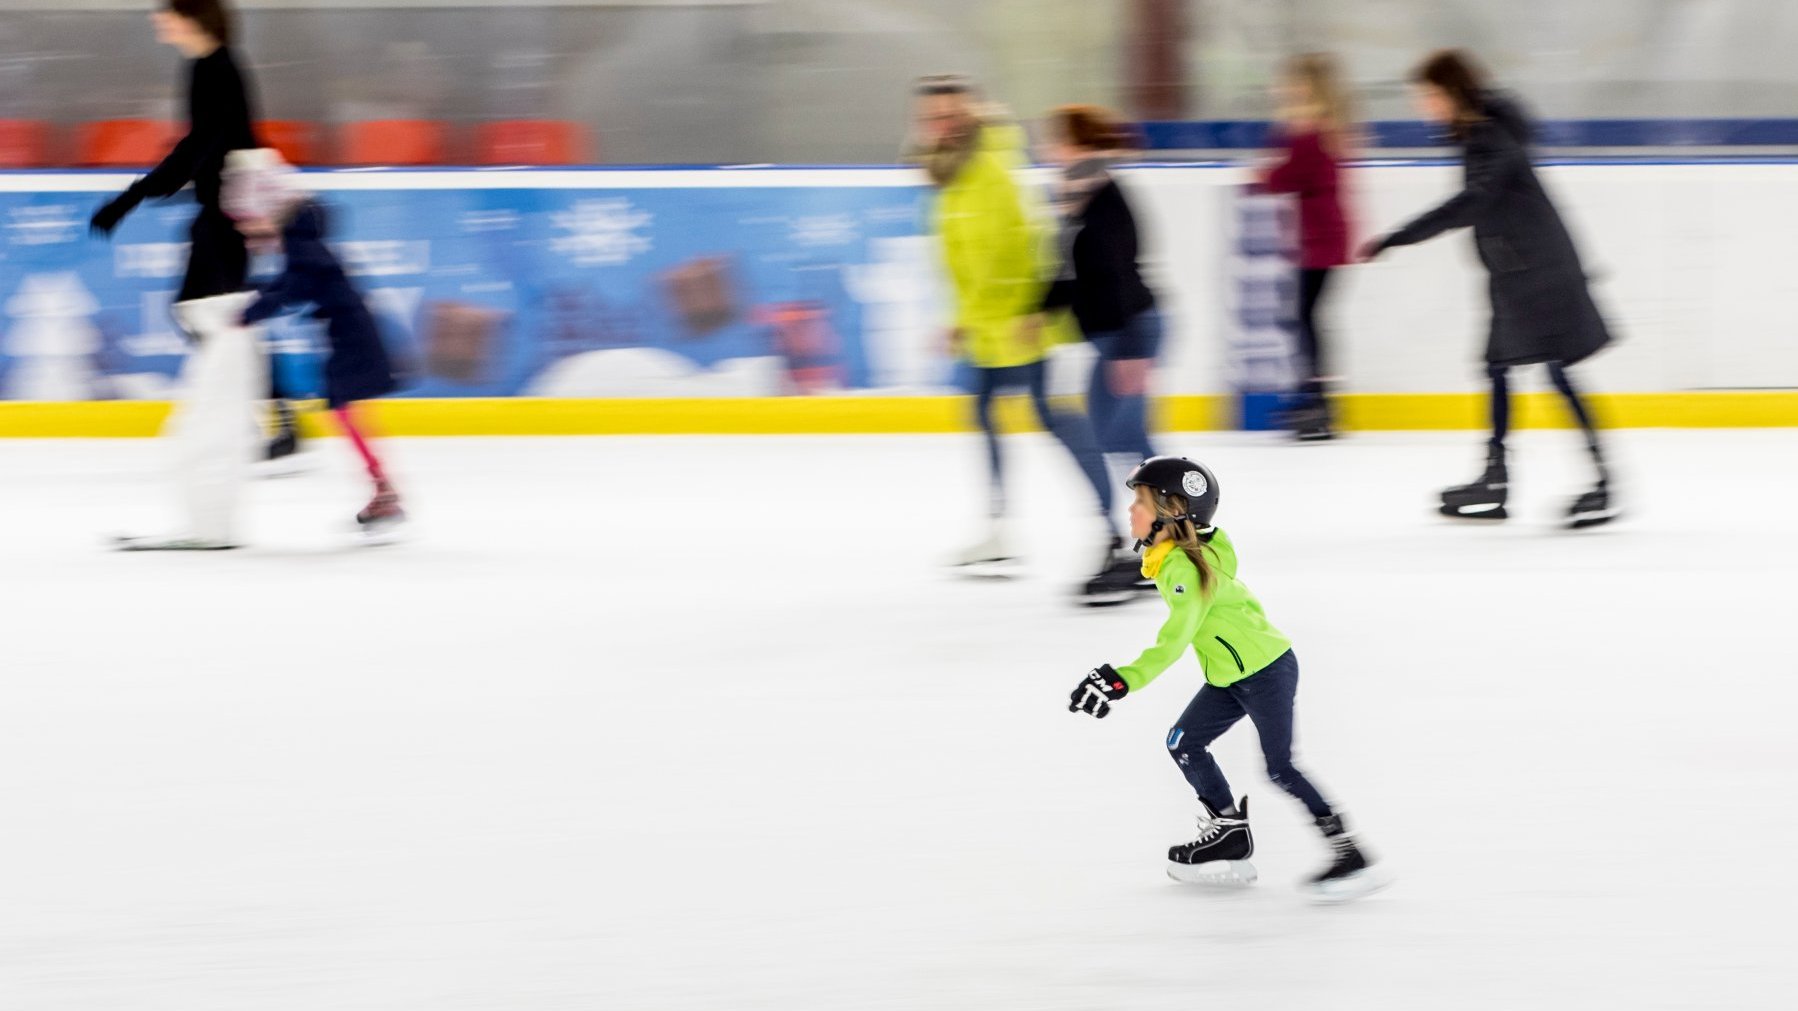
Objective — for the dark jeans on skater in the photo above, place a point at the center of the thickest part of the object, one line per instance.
(1120, 420)
(1070, 427)
(1557, 374)
(1266, 698)
(1312, 282)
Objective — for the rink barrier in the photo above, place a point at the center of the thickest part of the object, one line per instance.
(915, 415)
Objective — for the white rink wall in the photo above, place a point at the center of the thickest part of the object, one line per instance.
(1690, 264)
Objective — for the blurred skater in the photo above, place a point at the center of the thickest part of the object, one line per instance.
(1542, 310)
(1315, 131)
(991, 248)
(225, 371)
(264, 201)
(1102, 283)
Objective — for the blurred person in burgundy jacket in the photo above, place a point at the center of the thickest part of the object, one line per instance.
(1316, 130)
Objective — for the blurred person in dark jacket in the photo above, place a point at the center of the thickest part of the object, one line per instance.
(1542, 309)
(264, 201)
(1101, 282)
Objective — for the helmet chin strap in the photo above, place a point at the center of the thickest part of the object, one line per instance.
(1156, 527)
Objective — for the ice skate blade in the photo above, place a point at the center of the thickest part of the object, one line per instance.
(1591, 518)
(990, 570)
(1106, 598)
(291, 465)
(381, 534)
(1222, 873)
(124, 543)
(1489, 513)
(1358, 885)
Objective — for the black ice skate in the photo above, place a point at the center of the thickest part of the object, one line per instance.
(1118, 581)
(1220, 854)
(1311, 423)
(1591, 509)
(1484, 499)
(1350, 874)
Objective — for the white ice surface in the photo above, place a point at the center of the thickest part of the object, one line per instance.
(701, 724)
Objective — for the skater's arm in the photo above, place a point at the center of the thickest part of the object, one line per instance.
(1186, 613)
(1492, 159)
(164, 180)
(297, 282)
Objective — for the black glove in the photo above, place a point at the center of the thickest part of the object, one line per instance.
(1097, 691)
(108, 217)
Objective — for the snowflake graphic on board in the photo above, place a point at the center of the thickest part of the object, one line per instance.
(601, 233)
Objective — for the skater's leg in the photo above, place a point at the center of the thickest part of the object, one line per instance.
(212, 430)
(987, 382)
(1267, 696)
(1312, 282)
(346, 418)
(1101, 403)
(1123, 377)
(1557, 374)
(1075, 432)
(1211, 712)
(1500, 405)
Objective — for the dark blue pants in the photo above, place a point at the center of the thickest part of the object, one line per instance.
(1071, 428)
(1266, 698)
(1121, 420)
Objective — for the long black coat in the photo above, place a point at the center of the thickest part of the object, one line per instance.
(358, 367)
(1542, 310)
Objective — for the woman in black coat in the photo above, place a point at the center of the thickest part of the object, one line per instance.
(221, 113)
(1542, 310)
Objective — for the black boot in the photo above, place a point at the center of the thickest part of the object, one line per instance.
(1118, 580)
(1220, 853)
(1484, 499)
(1593, 507)
(286, 440)
(1350, 874)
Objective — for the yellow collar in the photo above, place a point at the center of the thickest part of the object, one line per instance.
(1152, 558)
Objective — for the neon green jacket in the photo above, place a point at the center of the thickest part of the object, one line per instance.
(1227, 629)
(994, 252)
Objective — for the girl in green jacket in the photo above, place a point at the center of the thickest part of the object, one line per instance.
(1249, 668)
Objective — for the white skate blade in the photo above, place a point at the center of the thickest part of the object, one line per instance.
(291, 465)
(1224, 873)
(123, 543)
(381, 533)
(1107, 598)
(989, 569)
(1360, 884)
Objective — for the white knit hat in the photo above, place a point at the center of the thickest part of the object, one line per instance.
(258, 183)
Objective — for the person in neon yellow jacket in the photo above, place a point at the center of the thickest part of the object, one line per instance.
(1249, 670)
(997, 255)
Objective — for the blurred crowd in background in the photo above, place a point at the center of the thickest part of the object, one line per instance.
(825, 81)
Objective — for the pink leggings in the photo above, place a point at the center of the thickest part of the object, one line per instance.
(348, 421)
